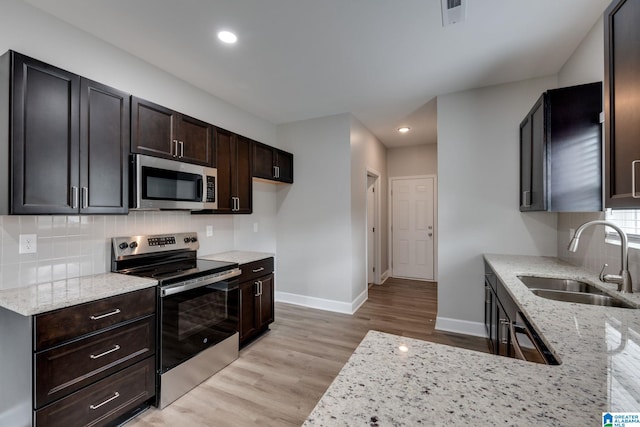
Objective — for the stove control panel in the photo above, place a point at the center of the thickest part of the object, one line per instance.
(138, 245)
(162, 241)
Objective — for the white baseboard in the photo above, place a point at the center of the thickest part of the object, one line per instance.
(385, 276)
(321, 303)
(445, 324)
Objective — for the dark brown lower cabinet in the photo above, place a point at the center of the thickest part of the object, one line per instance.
(69, 367)
(257, 292)
(103, 402)
(94, 363)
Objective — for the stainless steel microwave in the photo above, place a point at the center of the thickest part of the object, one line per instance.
(167, 184)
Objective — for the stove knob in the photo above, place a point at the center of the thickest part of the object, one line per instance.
(133, 245)
(194, 239)
(187, 240)
(123, 246)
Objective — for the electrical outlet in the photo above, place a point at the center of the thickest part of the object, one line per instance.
(28, 244)
(209, 230)
(255, 227)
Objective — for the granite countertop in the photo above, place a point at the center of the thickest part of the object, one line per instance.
(599, 350)
(241, 257)
(43, 297)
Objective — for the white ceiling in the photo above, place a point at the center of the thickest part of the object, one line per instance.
(381, 60)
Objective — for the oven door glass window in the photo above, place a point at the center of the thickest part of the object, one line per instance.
(163, 184)
(196, 319)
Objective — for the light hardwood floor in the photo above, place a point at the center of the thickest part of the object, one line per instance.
(279, 378)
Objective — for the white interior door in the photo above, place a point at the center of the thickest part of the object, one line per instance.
(413, 228)
(371, 221)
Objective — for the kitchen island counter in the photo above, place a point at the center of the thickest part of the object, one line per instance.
(435, 384)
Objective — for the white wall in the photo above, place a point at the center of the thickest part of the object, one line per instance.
(313, 227)
(478, 187)
(413, 160)
(263, 217)
(366, 152)
(321, 221)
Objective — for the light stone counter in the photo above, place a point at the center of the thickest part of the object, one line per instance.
(44, 297)
(241, 257)
(434, 384)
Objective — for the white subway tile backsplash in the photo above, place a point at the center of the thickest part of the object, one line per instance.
(73, 246)
(28, 273)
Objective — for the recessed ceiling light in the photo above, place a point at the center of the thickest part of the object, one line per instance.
(227, 37)
(404, 129)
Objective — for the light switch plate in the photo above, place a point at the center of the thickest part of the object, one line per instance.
(28, 244)
(255, 227)
(209, 230)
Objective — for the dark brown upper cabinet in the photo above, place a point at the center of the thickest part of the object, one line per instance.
(561, 151)
(69, 140)
(621, 104)
(272, 164)
(161, 132)
(235, 190)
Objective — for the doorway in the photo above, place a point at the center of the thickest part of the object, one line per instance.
(413, 227)
(373, 227)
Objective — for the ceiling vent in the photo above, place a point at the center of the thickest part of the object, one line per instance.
(453, 11)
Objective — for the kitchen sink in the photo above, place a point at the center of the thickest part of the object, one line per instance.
(582, 298)
(569, 290)
(556, 284)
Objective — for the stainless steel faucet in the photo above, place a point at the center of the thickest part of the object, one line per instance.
(623, 280)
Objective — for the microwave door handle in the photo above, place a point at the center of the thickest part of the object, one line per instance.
(201, 183)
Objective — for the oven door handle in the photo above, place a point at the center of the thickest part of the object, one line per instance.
(178, 288)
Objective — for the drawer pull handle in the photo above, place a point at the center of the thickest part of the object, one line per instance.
(97, 356)
(258, 270)
(102, 316)
(115, 396)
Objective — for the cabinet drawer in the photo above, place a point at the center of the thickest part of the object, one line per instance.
(104, 401)
(69, 367)
(68, 323)
(256, 269)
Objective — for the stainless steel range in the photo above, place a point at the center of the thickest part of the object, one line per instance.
(198, 303)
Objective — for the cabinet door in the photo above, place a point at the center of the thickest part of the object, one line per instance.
(265, 315)
(248, 307)
(532, 160)
(622, 112)
(194, 141)
(152, 129)
(244, 181)
(225, 149)
(45, 138)
(284, 163)
(263, 161)
(104, 149)
(525, 164)
(538, 158)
